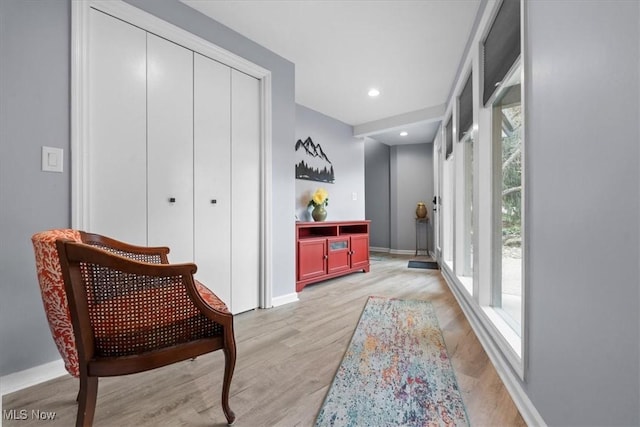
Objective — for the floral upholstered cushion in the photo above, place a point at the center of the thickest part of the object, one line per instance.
(211, 298)
(54, 298)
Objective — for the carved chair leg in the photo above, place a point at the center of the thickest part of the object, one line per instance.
(229, 365)
(87, 400)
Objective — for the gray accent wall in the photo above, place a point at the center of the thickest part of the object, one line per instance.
(35, 39)
(377, 192)
(397, 178)
(582, 90)
(346, 154)
(34, 111)
(411, 182)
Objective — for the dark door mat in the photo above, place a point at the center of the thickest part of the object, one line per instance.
(424, 264)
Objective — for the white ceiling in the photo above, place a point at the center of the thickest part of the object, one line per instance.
(409, 49)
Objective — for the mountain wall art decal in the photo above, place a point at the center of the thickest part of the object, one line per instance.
(312, 163)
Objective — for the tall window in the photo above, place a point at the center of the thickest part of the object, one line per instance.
(465, 136)
(447, 211)
(467, 263)
(483, 184)
(507, 190)
(448, 194)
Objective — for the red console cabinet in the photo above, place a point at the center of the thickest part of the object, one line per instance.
(330, 249)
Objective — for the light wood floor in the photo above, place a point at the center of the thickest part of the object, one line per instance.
(287, 357)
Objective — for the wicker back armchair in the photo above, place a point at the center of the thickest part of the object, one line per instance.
(117, 309)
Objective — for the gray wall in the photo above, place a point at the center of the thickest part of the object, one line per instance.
(582, 147)
(411, 182)
(346, 154)
(397, 178)
(34, 111)
(377, 192)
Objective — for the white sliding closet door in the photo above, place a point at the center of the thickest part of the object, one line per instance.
(170, 147)
(174, 155)
(212, 159)
(116, 150)
(245, 193)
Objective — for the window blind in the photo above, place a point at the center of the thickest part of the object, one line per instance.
(465, 108)
(501, 47)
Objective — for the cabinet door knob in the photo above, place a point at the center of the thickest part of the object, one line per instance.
(326, 257)
(214, 201)
(172, 199)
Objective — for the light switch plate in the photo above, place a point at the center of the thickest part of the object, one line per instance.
(52, 159)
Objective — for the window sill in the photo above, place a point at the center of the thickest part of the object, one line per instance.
(505, 330)
(467, 283)
(490, 322)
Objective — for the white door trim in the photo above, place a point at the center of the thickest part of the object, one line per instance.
(79, 112)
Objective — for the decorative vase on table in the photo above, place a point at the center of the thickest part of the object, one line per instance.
(319, 200)
(319, 213)
(421, 210)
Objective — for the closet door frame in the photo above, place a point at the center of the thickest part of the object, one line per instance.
(80, 121)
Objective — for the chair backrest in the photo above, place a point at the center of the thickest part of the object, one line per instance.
(55, 302)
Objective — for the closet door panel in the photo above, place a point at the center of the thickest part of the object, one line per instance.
(170, 147)
(212, 175)
(245, 191)
(117, 180)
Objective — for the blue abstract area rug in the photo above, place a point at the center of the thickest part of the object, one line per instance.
(395, 372)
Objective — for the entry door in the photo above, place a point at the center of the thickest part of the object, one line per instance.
(437, 178)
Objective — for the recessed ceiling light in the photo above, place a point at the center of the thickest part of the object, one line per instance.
(373, 92)
(403, 133)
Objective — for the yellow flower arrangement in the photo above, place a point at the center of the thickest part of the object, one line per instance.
(320, 197)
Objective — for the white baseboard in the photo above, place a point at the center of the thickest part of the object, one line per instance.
(32, 376)
(376, 249)
(399, 251)
(402, 251)
(284, 299)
